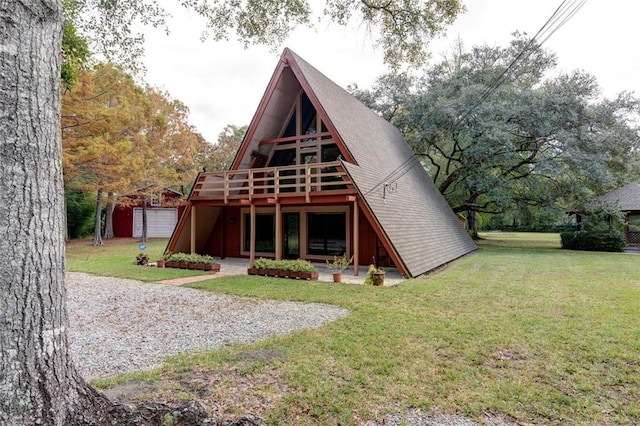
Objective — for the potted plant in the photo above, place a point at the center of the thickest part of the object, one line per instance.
(191, 260)
(295, 268)
(160, 263)
(259, 266)
(179, 260)
(375, 276)
(209, 263)
(142, 258)
(338, 265)
(307, 270)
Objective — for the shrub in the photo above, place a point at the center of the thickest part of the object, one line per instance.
(368, 279)
(339, 263)
(192, 258)
(301, 265)
(593, 241)
(297, 265)
(142, 258)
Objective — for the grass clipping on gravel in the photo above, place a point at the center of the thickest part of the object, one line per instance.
(543, 335)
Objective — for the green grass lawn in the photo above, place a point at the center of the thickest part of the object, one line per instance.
(520, 327)
(117, 258)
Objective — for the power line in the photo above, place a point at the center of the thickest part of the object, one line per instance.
(559, 18)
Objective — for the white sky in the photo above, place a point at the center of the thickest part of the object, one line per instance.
(222, 83)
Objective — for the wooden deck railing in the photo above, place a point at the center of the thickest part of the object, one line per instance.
(273, 182)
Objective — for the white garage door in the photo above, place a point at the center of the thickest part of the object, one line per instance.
(160, 222)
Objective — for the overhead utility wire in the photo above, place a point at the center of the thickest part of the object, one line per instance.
(406, 165)
(560, 17)
(559, 14)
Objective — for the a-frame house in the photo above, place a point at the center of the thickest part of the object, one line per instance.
(319, 174)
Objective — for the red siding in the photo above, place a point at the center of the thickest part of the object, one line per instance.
(224, 240)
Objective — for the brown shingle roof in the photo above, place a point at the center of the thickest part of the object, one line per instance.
(627, 197)
(413, 214)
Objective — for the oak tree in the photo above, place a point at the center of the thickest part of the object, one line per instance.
(534, 139)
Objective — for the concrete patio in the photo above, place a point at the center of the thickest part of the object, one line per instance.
(238, 266)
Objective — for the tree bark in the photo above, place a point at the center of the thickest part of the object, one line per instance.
(472, 224)
(143, 237)
(97, 222)
(108, 220)
(38, 383)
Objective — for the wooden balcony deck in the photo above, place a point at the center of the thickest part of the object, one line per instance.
(307, 181)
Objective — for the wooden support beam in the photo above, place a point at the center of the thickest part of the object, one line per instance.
(226, 187)
(279, 244)
(307, 182)
(193, 229)
(252, 235)
(356, 238)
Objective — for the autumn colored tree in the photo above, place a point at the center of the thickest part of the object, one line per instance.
(103, 121)
(167, 157)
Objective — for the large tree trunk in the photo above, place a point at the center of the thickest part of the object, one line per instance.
(472, 224)
(38, 384)
(97, 222)
(108, 220)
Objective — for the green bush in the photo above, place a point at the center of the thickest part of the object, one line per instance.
(593, 241)
(298, 265)
(192, 258)
(81, 210)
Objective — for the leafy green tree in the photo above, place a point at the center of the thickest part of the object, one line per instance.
(530, 141)
(75, 54)
(400, 28)
(80, 213)
(39, 384)
(219, 156)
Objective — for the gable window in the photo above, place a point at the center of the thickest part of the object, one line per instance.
(307, 139)
(308, 116)
(156, 199)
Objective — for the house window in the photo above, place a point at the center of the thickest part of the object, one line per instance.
(265, 232)
(156, 199)
(326, 233)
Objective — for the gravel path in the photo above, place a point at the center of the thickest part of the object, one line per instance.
(120, 325)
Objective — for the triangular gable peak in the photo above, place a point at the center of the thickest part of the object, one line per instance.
(290, 125)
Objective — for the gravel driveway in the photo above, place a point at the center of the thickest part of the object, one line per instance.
(119, 325)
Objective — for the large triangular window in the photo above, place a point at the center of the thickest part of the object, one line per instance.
(304, 138)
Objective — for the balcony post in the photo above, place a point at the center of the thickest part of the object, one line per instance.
(307, 183)
(278, 220)
(356, 237)
(252, 235)
(250, 184)
(226, 187)
(193, 229)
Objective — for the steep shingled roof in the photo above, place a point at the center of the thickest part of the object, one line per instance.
(413, 214)
(627, 197)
